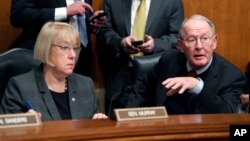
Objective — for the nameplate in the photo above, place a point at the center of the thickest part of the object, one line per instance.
(19, 120)
(127, 114)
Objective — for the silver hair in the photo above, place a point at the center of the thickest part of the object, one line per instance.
(196, 17)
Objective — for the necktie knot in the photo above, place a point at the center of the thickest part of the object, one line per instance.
(192, 73)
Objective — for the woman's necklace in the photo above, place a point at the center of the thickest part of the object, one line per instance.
(66, 85)
(59, 87)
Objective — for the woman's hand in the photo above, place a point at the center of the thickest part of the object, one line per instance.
(99, 116)
(33, 111)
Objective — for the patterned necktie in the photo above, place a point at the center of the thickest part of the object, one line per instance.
(140, 21)
(139, 25)
(82, 29)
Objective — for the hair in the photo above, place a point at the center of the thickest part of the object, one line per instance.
(50, 32)
(196, 17)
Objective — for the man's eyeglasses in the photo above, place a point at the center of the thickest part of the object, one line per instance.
(192, 41)
(67, 49)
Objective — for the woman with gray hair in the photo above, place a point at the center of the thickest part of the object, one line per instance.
(52, 88)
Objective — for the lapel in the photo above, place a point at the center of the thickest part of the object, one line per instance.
(126, 13)
(46, 95)
(73, 99)
(212, 73)
(154, 6)
(48, 99)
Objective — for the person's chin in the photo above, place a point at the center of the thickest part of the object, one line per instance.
(69, 71)
(70, 67)
(200, 63)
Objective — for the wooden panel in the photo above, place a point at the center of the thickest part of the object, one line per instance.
(177, 127)
(7, 33)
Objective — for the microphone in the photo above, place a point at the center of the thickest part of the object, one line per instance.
(111, 103)
(125, 91)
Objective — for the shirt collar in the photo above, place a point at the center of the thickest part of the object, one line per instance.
(201, 70)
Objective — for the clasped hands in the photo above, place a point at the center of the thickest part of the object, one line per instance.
(179, 84)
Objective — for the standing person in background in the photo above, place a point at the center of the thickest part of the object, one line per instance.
(154, 22)
(52, 88)
(193, 79)
(31, 15)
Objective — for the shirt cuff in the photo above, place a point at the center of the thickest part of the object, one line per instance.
(60, 14)
(197, 89)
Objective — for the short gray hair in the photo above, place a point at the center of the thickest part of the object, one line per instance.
(196, 17)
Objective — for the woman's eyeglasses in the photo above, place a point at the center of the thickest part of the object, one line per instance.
(67, 49)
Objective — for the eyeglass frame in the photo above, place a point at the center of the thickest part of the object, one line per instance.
(204, 40)
(67, 49)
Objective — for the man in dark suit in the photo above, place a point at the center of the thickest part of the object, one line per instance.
(115, 47)
(215, 87)
(31, 15)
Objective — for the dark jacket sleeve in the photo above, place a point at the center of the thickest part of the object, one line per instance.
(28, 13)
(12, 101)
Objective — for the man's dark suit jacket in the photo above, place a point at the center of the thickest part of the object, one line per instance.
(163, 23)
(223, 84)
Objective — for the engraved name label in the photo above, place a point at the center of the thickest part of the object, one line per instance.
(140, 113)
(19, 120)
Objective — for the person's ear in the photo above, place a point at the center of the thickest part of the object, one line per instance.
(214, 41)
(180, 45)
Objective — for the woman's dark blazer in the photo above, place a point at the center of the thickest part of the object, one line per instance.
(31, 87)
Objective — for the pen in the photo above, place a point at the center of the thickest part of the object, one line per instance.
(29, 105)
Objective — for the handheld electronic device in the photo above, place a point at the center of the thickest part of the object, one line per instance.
(136, 43)
(98, 16)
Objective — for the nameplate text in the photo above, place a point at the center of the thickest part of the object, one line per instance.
(140, 113)
(19, 120)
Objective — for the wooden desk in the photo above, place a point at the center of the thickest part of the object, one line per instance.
(177, 127)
